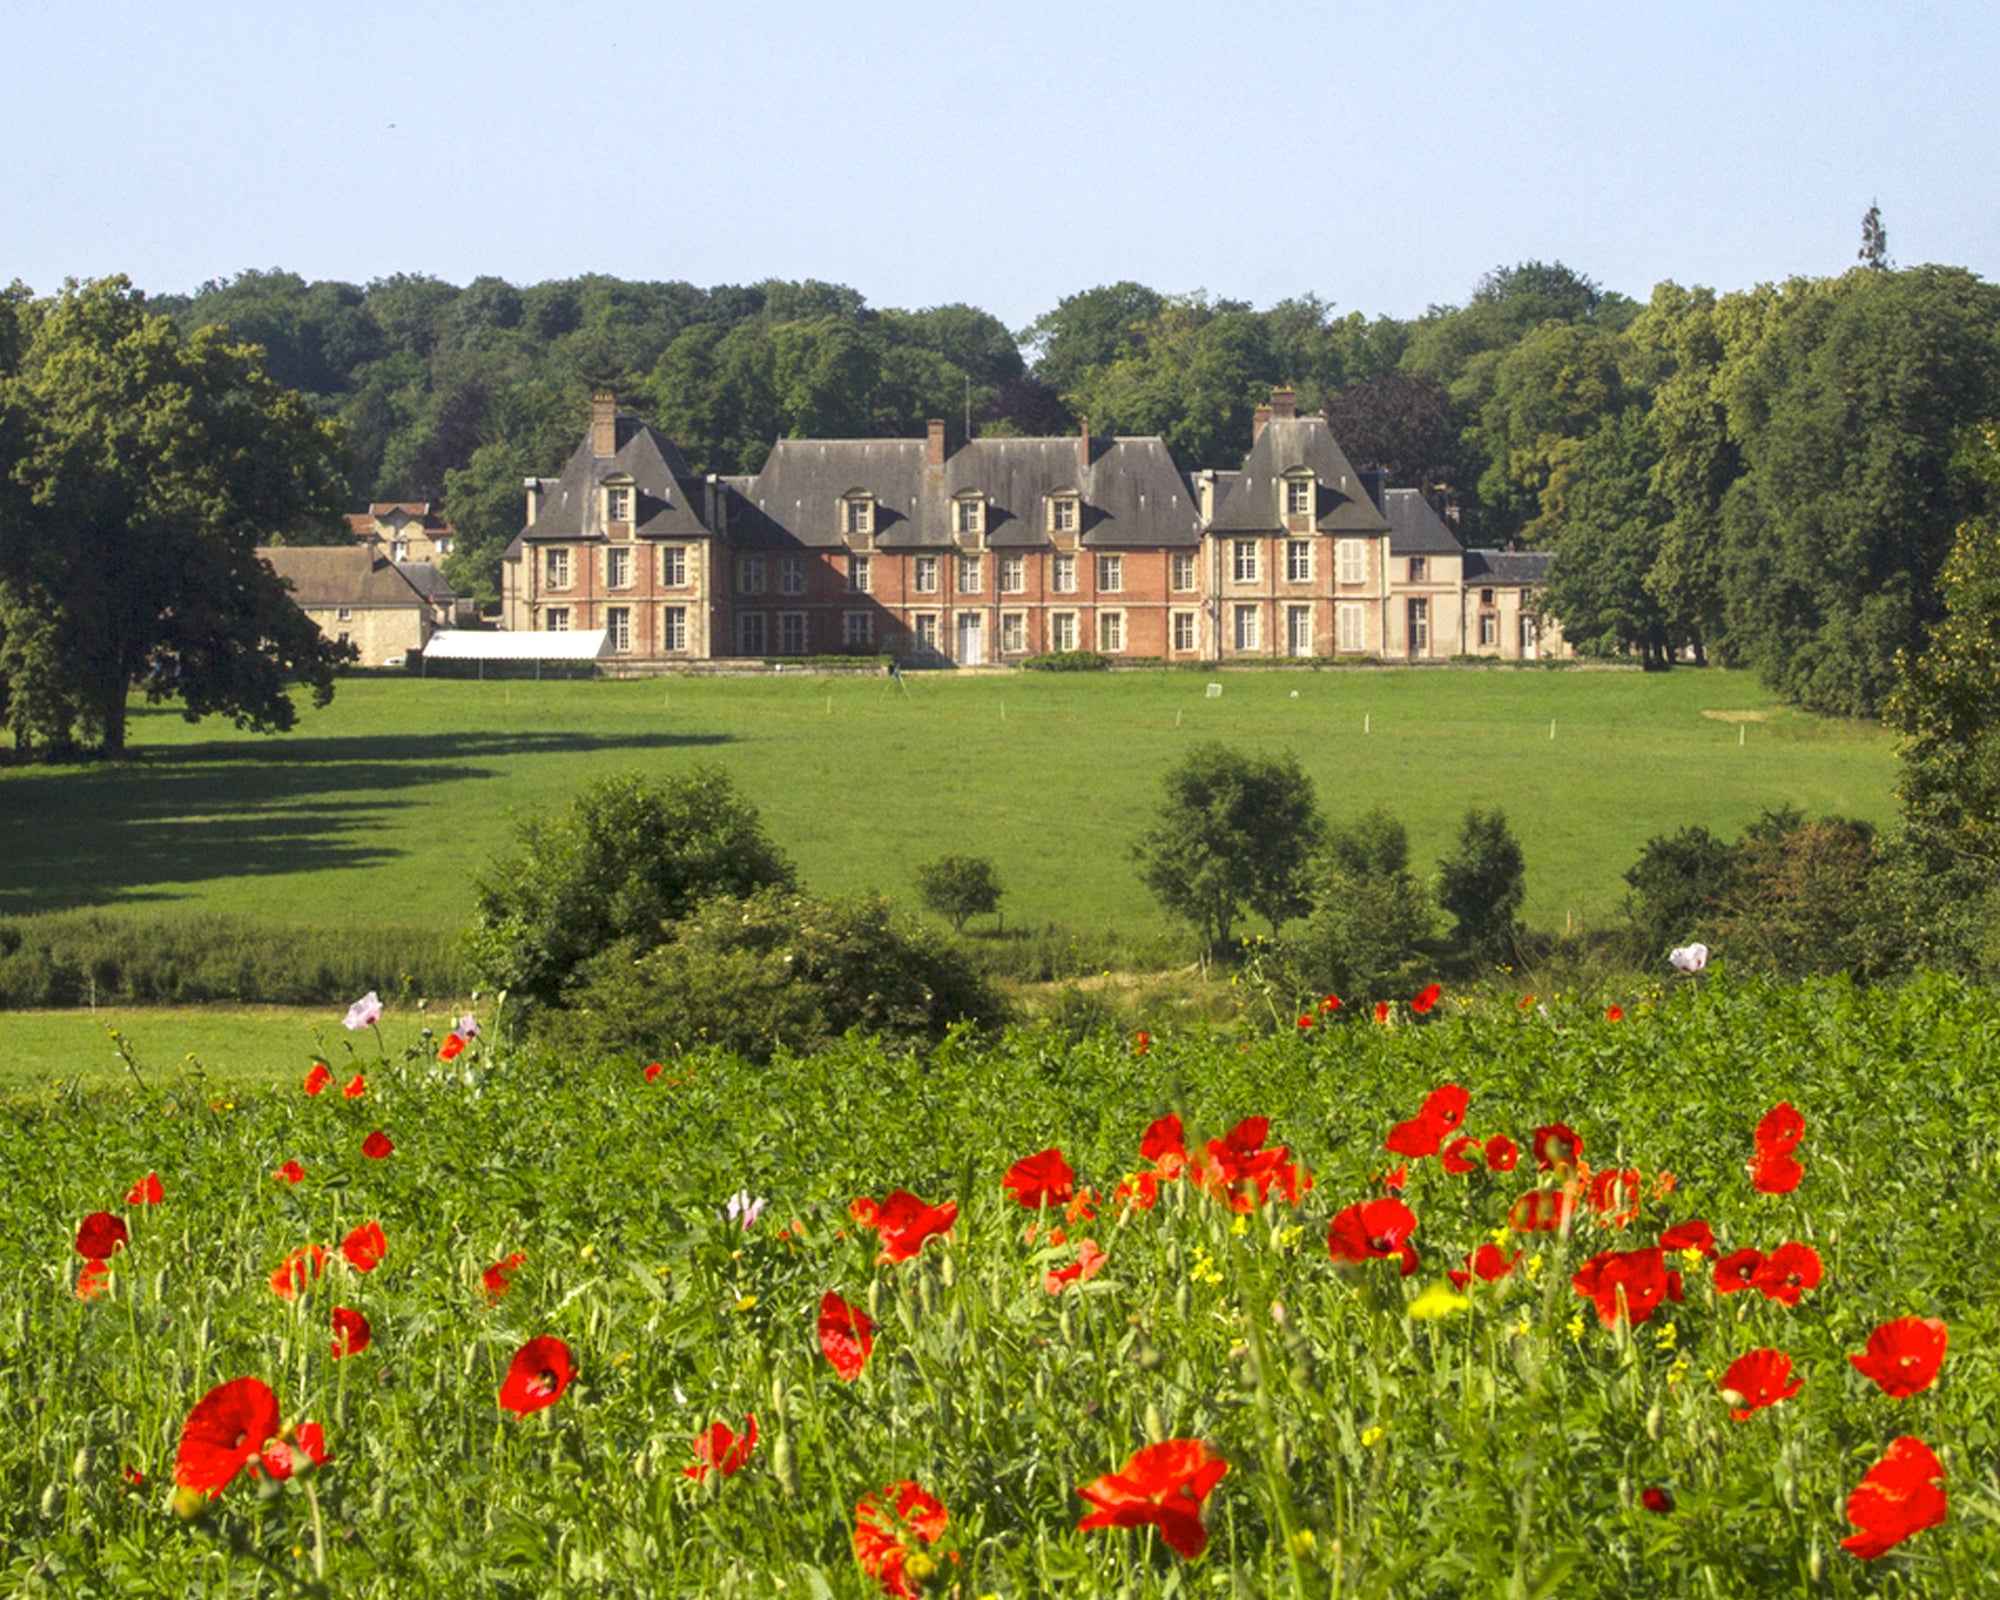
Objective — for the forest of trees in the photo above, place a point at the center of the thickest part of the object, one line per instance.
(1768, 477)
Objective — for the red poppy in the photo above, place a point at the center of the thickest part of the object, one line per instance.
(133, 1476)
(1757, 1379)
(280, 1458)
(1903, 1356)
(1142, 1041)
(1542, 1211)
(146, 1192)
(1089, 1262)
(1614, 1195)
(1428, 997)
(1329, 1005)
(1502, 1153)
(452, 1048)
(1489, 1264)
(1525, 1003)
(718, 1450)
(1617, 1014)
(319, 1077)
(540, 1371)
(890, 1524)
(1442, 1112)
(100, 1236)
(1781, 1128)
(653, 1071)
(1901, 1494)
(365, 1247)
(1656, 1499)
(1165, 1145)
(1788, 1272)
(1381, 1011)
(1395, 1180)
(846, 1335)
(1233, 1165)
(1774, 1172)
(290, 1172)
(1039, 1181)
(1693, 1234)
(1457, 1157)
(497, 1279)
(357, 1086)
(92, 1281)
(1306, 1019)
(1374, 1230)
(224, 1433)
(377, 1146)
(1163, 1485)
(351, 1333)
(1738, 1271)
(1626, 1283)
(298, 1271)
(903, 1222)
(1557, 1145)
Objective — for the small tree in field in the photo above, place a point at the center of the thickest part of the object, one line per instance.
(1236, 832)
(957, 887)
(1483, 882)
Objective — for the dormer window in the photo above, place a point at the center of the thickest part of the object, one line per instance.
(968, 514)
(1299, 495)
(618, 502)
(1065, 512)
(857, 514)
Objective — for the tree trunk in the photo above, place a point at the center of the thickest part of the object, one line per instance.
(113, 743)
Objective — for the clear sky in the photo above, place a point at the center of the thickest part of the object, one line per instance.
(1380, 155)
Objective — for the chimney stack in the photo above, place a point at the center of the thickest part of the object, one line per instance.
(603, 425)
(1376, 481)
(1284, 402)
(934, 442)
(1258, 419)
(533, 488)
(1086, 440)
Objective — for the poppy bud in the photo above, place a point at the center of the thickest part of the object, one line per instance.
(1654, 1419)
(875, 1300)
(1156, 1425)
(906, 1313)
(1816, 1562)
(927, 1292)
(1063, 1322)
(1182, 1301)
(79, 1469)
(778, 1397)
(49, 1502)
(947, 1270)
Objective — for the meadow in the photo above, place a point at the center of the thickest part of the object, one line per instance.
(679, 1232)
(379, 810)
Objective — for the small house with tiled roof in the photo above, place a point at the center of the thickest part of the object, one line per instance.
(403, 530)
(359, 597)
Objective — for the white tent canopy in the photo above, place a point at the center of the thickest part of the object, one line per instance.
(467, 644)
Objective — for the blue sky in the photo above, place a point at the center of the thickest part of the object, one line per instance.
(1380, 155)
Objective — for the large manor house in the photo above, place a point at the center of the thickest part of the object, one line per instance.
(1005, 548)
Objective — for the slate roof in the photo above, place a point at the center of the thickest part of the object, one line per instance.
(1508, 569)
(1286, 444)
(341, 575)
(1129, 491)
(429, 582)
(1415, 529)
(670, 496)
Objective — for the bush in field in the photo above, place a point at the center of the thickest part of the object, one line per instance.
(1802, 905)
(623, 863)
(1235, 833)
(1363, 936)
(773, 970)
(957, 887)
(1483, 882)
(1682, 887)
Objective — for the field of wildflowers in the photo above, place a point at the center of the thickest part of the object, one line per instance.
(1494, 1296)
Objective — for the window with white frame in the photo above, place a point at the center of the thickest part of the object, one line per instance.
(1245, 620)
(1013, 574)
(1110, 632)
(1298, 497)
(1013, 633)
(1243, 560)
(1298, 561)
(1353, 561)
(1299, 630)
(1489, 627)
(926, 577)
(1352, 625)
(1419, 569)
(673, 566)
(1062, 630)
(618, 628)
(1184, 631)
(556, 619)
(968, 514)
(970, 577)
(791, 633)
(791, 575)
(750, 575)
(555, 569)
(857, 574)
(1110, 574)
(618, 568)
(1420, 627)
(857, 628)
(750, 633)
(343, 613)
(673, 629)
(1064, 513)
(618, 503)
(1183, 571)
(857, 514)
(1062, 574)
(927, 631)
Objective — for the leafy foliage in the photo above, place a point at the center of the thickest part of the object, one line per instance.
(1370, 918)
(1482, 883)
(957, 887)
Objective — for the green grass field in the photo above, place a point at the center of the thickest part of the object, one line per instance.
(241, 1047)
(382, 808)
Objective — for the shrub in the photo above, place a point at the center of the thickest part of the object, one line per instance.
(1067, 661)
(1364, 935)
(1802, 902)
(1483, 882)
(957, 887)
(774, 970)
(1682, 887)
(624, 862)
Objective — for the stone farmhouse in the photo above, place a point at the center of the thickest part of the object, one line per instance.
(359, 597)
(1004, 548)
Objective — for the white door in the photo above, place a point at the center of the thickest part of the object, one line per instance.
(1530, 639)
(1299, 630)
(971, 640)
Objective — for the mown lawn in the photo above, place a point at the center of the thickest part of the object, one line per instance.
(381, 808)
(1380, 1435)
(239, 1047)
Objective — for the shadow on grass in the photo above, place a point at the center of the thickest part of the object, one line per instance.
(128, 832)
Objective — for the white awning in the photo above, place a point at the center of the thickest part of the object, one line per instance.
(473, 644)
